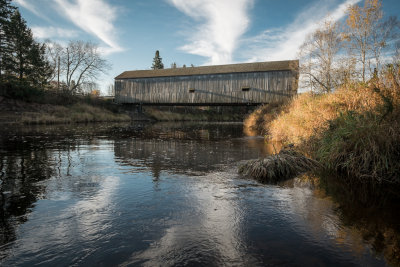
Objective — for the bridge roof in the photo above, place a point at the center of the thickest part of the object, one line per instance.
(216, 69)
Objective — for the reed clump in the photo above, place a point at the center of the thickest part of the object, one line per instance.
(278, 167)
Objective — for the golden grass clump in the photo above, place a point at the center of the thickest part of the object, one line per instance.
(309, 114)
(257, 122)
(279, 167)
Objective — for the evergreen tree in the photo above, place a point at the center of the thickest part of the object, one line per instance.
(40, 71)
(27, 62)
(5, 13)
(157, 62)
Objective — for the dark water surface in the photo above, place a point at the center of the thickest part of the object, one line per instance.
(169, 195)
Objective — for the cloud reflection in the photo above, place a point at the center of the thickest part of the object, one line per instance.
(212, 232)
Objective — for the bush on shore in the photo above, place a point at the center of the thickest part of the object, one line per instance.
(355, 130)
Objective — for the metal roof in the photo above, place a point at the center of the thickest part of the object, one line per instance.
(216, 69)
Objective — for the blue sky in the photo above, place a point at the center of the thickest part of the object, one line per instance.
(199, 32)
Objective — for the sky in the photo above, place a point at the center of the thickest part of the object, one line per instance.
(198, 32)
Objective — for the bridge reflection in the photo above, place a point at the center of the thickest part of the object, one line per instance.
(186, 148)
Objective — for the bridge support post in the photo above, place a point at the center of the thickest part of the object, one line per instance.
(140, 108)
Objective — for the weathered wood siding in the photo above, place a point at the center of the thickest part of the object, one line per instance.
(264, 87)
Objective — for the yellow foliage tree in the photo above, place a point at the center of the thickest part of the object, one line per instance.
(362, 22)
(95, 93)
(368, 34)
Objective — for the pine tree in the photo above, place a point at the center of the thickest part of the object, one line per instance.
(157, 62)
(5, 13)
(40, 68)
(21, 42)
(28, 61)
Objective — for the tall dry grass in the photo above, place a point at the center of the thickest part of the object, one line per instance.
(310, 114)
(257, 122)
(364, 145)
(355, 130)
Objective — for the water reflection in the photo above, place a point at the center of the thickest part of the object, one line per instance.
(211, 234)
(168, 194)
(19, 188)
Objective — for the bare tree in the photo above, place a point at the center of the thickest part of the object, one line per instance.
(391, 73)
(318, 54)
(111, 90)
(79, 63)
(383, 38)
(82, 63)
(54, 51)
(86, 87)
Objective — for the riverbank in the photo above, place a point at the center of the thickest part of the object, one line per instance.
(354, 131)
(198, 113)
(15, 111)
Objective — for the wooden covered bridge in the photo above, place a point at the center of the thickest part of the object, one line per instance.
(234, 84)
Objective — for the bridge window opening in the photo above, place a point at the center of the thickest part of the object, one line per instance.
(245, 88)
(191, 90)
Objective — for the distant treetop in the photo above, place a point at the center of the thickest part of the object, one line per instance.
(157, 61)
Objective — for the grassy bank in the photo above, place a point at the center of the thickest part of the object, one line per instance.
(75, 113)
(354, 131)
(23, 112)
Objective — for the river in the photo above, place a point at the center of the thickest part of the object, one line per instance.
(168, 194)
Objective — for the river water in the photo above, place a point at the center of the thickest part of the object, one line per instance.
(168, 194)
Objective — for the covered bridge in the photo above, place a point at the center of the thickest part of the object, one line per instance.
(234, 84)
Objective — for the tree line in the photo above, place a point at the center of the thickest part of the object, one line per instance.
(26, 63)
(360, 48)
(22, 59)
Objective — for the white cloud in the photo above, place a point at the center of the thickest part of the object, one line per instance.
(51, 32)
(222, 23)
(284, 43)
(29, 6)
(95, 17)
